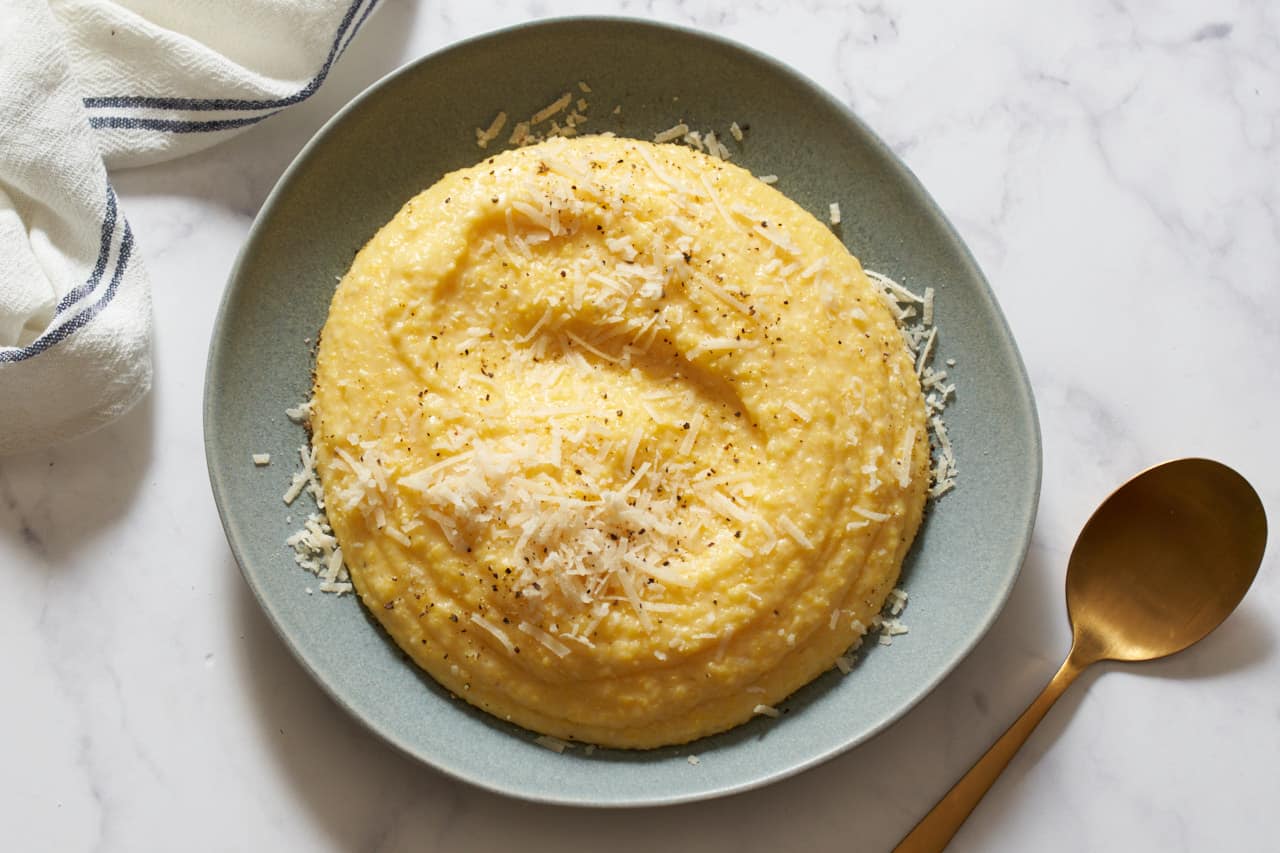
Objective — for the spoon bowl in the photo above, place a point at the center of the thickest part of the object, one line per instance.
(1164, 560)
(1161, 563)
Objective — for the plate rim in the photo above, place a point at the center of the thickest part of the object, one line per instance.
(902, 172)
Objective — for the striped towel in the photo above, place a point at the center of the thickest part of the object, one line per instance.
(90, 84)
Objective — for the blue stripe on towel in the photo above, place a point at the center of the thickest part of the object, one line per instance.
(173, 125)
(80, 320)
(205, 104)
(356, 28)
(104, 250)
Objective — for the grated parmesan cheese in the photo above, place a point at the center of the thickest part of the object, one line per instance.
(555, 107)
(799, 411)
(487, 135)
(520, 134)
(833, 212)
(691, 433)
(557, 648)
(870, 514)
(896, 601)
(261, 459)
(671, 133)
(922, 338)
(300, 414)
(495, 631)
(554, 744)
(774, 236)
(794, 531)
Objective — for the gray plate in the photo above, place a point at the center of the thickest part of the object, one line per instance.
(417, 124)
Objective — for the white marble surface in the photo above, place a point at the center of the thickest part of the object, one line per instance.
(1117, 173)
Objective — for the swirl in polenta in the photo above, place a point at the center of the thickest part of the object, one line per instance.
(619, 443)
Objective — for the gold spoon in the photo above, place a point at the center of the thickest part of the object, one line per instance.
(1160, 564)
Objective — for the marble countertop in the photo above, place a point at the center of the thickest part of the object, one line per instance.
(1117, 174)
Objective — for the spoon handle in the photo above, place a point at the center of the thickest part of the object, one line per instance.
(936, 829)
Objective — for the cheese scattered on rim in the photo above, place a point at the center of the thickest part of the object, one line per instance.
(944, 471)
(714, 146)
(885, 623)
(926, 351)
(896, 601)
(766, 711)
(833, 212)
(553, 108)
(892, 627)
(261, 459)
(922, 338)
(306, 479)
(520, 134)
(673, 132)
(316, 549)
(554, 744)
(487, 135)
(300, 414)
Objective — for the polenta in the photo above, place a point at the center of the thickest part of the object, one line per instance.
(618, 442)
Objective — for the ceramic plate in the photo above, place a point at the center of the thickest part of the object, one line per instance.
(399, 137)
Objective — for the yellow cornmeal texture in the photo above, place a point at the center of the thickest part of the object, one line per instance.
(619, 442)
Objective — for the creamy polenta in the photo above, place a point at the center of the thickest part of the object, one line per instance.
(618, 442)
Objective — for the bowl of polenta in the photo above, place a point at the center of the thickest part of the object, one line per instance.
(632, 404)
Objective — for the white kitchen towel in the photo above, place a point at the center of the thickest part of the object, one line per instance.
(91, 84)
